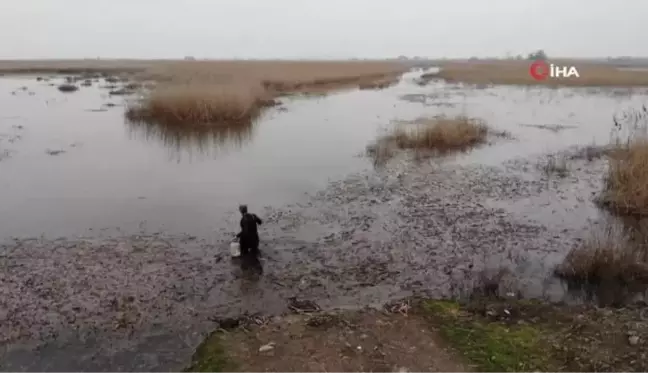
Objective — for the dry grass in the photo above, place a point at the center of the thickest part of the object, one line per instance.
(74, 66)
(211, 92)
(430, 136)
(613, 258)
(442, 134)
(198, 139)
(627, 177)
(626, 188)
(517, 73)
(282, 75)
(200, 103)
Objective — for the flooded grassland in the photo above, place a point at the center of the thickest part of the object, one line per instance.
(115, 233)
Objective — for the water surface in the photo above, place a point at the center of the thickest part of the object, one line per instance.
(71, 165)
(110, 174)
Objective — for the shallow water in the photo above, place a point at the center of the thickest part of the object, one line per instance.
(108, 174)
(368, 237)
(116, 175)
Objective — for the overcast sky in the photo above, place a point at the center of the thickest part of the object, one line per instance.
(320, 29)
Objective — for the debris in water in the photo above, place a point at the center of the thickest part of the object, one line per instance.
(267, 347)
(68, 88)
(302, 306)
(121, 92)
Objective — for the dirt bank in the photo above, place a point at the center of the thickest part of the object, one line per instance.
(433, 335)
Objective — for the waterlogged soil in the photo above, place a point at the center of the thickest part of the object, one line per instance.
(141, 266)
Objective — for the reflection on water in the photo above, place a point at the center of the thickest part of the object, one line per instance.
(200, 139)
(111, 175)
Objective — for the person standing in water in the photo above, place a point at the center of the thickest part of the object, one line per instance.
(249, 235)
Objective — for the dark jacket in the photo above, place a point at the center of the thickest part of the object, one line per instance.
(249, 232)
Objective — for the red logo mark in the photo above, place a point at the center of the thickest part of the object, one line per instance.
(539, 70)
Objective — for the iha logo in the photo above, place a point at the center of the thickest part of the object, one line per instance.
(541, 70)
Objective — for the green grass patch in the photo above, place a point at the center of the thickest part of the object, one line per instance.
(491, 346)
(442, 307)
(210, 356)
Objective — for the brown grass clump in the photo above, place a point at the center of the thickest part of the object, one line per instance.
(614, 258)
(200, 104)
(435, 136)
(517, 73)
(627, 176)
(442, 134)
(626, 187)
(193, 139)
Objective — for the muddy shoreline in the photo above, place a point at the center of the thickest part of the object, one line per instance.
(410, 228)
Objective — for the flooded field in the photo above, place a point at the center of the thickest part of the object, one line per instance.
(74, 154)
(115, 234)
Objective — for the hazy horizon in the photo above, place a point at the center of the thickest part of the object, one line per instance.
(291, 29)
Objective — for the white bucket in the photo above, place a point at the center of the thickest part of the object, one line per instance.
(235, 249)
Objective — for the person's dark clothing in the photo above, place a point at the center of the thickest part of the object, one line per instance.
(249, 236)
